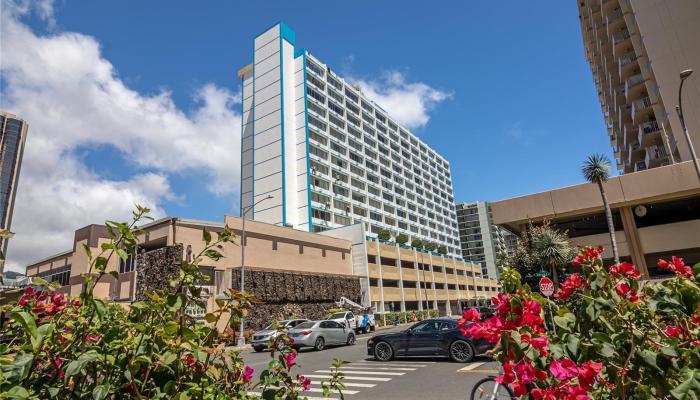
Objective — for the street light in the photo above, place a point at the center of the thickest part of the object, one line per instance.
(241, 338)
(679, 109)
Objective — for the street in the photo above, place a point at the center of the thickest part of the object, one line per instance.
(434, 378)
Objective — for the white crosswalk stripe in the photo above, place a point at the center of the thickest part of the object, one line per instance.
(325, 371)
(387, 364)
(362, 367)
(355, 378)
(259, 394)
(472, 366)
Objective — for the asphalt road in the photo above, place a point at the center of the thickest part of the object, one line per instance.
(414, 378)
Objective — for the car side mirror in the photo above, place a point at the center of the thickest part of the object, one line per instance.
(409, 332)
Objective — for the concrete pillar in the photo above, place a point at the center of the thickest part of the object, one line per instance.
(418, 283)
(398, 261)
(432, 274)
(633, 241)
(382, 310)
(448, 305)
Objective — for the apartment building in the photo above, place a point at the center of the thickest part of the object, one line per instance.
(636, 50)
(13, 134)
(656, 214)
(482, 241)
(329, 156)
(385, 276)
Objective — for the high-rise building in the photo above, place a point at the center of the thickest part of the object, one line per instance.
(329, 156)
(13, 133)
(483, 242)
(636, 50)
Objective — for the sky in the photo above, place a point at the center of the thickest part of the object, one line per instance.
(138, 102)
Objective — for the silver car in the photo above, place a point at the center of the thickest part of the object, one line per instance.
(319, 334)
(261, 339)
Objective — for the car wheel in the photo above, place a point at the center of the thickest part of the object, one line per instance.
(258, 349)
(383, 351)
(351, 339)
(319, 344)
(461, 351)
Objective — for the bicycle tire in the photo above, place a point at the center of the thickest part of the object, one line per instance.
(490, 379)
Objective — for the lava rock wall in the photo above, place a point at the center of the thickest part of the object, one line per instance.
(154, 268)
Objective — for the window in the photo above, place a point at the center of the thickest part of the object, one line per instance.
(427, 327)
(352, 96)
(126, 265)
(336, 108)
(316, 95)
(317, 123)
(318, 110)
(337, 121)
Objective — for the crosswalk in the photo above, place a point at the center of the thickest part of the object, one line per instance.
(360, 375)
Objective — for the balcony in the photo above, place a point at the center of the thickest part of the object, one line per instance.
(640, 166)
(655, 156)
(640, 105)
(648, 132)
(631, 85)
(620, 37)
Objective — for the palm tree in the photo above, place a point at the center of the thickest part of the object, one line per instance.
(552, 248)
(597, 170)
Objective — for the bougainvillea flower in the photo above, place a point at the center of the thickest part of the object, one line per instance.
(570, 285)
(578, 260)
(247, 374)
(674, 331)
(502, 303)
(471, 314)
(525, 372)
(508, 376)
(538, 342)
(625, 269)
(290, 359)
(677, 265)
(563, 369)
(587, 373)
(305, 382)
(695, 319)
(622, 289)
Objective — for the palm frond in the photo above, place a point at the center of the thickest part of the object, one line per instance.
(596, 168)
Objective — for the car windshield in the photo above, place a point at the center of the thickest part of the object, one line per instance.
(306, 325)
(337, 315)
(273, 326)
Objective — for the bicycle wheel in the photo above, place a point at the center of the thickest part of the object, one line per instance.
(489, 389)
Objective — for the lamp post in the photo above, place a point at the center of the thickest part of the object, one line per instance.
(679, 109)
(241, 338)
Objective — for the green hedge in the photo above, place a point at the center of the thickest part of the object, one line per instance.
(403, 317)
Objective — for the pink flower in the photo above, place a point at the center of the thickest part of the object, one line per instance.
(22, 301)
(626, 269)
(622, 289)
(471, 314)
(674, 331)
(248, 374)
(676, 265)
(563, 369)
(539, 343)
(94, 339)
(695, 319)
(502, 303)
(525, 372)
(587, 373)
(305, 382)
(576, 262)
(508, 376)
(290, 359)
(29, 291)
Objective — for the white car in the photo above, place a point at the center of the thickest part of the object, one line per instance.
(345, 318)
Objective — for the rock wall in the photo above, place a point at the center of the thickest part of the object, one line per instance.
(154, 268)
(293, 294)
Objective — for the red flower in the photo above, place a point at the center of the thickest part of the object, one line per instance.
(290, 359)
(525, 372)
(247, 374)
(592, 253)
(674, 331)
(578, 260)
(626, 269)
(569, 286)
(508, 376)
(189, 360)
(539, 342)
(622, 289)
(29, 291)
(22, 301)
(519, 388)
(305, 382)
(471, 314)
(502, 303)
(676, 265)
(587, 373)
(563, 369)
(695, 319)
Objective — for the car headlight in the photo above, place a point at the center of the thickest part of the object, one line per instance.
(370, 341)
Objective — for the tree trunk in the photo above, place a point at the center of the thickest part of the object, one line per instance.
(611, 224)
(555, 277)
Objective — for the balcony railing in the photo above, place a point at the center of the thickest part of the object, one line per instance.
(639, 105)
(620, 37)
(634, 80)
(640, 166)
(655, 153)
(649, 127)
(627, 58)
(614, 15)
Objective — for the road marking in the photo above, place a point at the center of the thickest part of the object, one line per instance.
(472, 366)
(479, 371)
(356, 378)
(320, 390)
(350, 384)
(325, 371)
(418, 360)
(259, 394)
(370, 363)
(362, 367)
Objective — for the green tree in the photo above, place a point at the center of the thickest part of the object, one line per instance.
(596, 169)
(401, 238)
(430, 246)
(553, 250)
(384, 235)
(442, 249)
(417, 244)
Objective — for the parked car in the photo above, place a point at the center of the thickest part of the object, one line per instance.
(360, 323)
(319, 334)
(261, 339)
(432, 337)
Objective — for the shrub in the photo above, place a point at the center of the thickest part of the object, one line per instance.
(417, 244)
(384, 235)
(84, 347)
(442, 249)
(430, 246)
(615, 337)
(401, 238)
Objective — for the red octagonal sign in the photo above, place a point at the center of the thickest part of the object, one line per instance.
(546, 286)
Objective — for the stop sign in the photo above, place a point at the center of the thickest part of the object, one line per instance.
(546, 286)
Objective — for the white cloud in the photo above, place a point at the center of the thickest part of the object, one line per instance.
(409, 102)
(73, 99)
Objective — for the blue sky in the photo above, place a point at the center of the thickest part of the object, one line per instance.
(515, 113)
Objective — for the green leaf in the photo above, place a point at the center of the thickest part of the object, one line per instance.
(17, 392)
(597, 280)
(100, 392)
(122, 254)
(26, 320)
(696, 271)
(689, 387)
(572, 345)
(88, 250)
(206, 236)
(41, 333)
(566, 322)
(211, 318)
(76, 365)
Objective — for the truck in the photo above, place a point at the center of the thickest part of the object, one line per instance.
(362, 321)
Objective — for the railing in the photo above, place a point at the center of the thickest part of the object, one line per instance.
(640, 166)
(627, 58)
(640, 105)
(649, 127)
(620, 36)
(635, 80)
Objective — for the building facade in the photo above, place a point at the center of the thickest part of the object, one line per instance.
(385, 276)
(636, 50)
(656, 214)
(331, 157)
(13, 134)
(482, 241)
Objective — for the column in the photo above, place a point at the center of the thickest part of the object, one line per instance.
(633, 241)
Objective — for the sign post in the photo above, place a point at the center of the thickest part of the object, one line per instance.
(547, 290)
